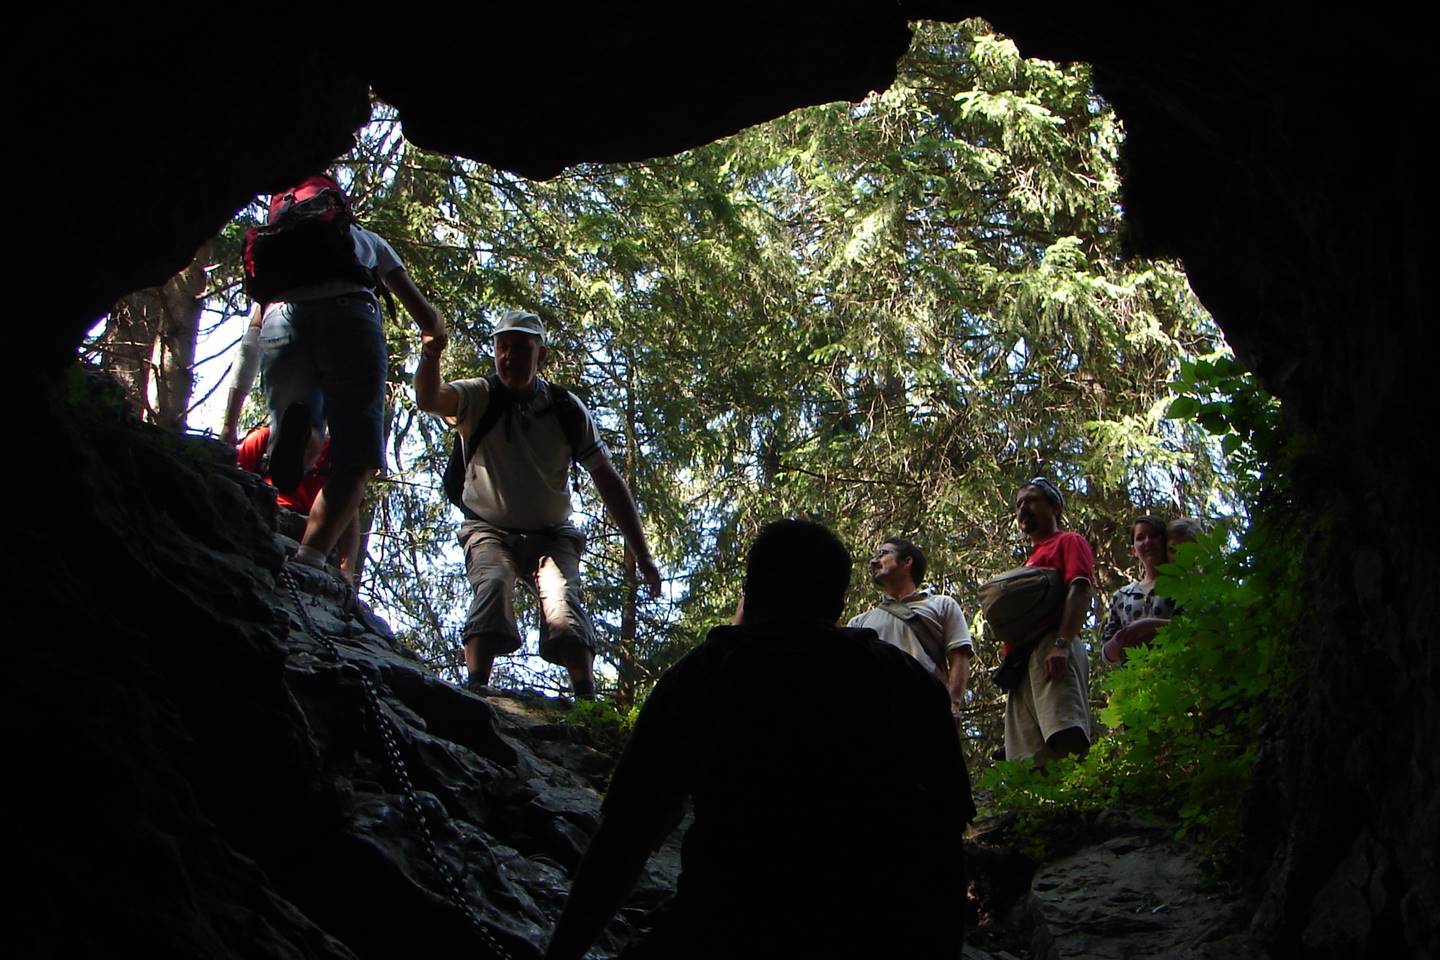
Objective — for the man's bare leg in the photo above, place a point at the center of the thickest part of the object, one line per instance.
(335, 507)
(479, 661)
(348, 549)
(579, 662)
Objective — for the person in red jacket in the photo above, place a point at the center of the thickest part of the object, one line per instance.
(1048, 715)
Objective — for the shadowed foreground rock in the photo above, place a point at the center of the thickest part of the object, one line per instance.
(222, 792)
(509, 823)
(1133, 898)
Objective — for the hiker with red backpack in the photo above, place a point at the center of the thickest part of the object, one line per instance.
(517, 436)
(316, 335)
(250, 456)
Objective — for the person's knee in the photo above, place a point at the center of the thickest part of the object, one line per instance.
(492, 587)
(487, 644)
(1071, 741)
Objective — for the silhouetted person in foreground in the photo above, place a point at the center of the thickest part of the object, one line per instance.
(828, 784)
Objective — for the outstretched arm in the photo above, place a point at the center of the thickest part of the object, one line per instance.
(612, 863)
(622, 509)
(426, 317)
(247, 361)
(431, 395)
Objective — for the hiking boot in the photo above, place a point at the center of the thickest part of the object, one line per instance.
(480, 689)
(287, 458)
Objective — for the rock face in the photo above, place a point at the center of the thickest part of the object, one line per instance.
(225, 789)
(508, 824)
(1292, 192)
(1131, 898)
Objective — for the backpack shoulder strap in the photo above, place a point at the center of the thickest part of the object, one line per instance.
(497, 403)
(571, 416)
(933, 645)
(898, 609)
(464, 449)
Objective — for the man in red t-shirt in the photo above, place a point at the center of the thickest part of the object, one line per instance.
(250, 455)
(1048, 714)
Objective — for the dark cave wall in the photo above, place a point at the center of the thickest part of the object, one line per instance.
(147, 137)
(156, 131)
(1292, 195)
(1257, 152)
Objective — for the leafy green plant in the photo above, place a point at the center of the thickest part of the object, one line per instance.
(1220, 395)
(608, 727)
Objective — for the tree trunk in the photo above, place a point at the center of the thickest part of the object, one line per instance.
(629, 670)
(149, 344)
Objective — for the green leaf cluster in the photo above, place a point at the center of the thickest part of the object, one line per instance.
(607, 726)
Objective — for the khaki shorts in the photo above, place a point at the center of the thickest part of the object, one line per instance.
(548, 563)
(1040, 707)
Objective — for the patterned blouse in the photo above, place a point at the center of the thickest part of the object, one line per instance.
(1135, 602)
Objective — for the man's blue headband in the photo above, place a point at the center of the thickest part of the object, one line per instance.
(1052, 492)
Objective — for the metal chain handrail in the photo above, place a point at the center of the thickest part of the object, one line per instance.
(398, 770)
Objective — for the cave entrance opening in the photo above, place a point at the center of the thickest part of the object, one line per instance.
(885, 314)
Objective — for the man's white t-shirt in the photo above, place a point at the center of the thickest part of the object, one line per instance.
(940, 617)
(519, 477)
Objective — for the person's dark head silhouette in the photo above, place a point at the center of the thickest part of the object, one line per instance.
(826, 777)
(796, 570)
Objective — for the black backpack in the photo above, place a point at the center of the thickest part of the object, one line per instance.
(562, 404)
(306, 240)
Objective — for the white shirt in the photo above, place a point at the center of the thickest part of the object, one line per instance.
(518, 478)
(940, 618)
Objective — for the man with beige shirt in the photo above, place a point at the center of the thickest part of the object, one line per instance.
(516, 499)
(929, 626)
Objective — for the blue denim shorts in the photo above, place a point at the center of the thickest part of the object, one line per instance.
(329, 355)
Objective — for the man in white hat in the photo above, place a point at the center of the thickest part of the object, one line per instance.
(519, 435)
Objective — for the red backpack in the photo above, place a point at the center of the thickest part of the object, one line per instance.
(306, 240)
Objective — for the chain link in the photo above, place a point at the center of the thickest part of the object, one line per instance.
(398, 771)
